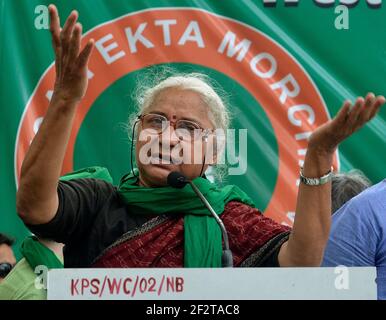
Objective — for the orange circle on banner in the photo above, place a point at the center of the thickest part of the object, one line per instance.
(264, 68)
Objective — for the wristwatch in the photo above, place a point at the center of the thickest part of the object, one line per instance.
(316, 181)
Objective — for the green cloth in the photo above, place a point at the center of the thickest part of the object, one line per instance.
(202, 234)
(19, 284)
(90, 172)
(38, 254)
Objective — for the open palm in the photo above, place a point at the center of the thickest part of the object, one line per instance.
(349, 119)
(70, 63)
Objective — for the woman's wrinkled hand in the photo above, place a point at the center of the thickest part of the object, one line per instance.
(70, 63)
(350, 118)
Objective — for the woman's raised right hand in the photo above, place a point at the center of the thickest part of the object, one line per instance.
(70, 63)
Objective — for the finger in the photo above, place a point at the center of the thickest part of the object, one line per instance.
(370, 99)
(66, 34)
(70, 22)
(74, 46)
(54, 25)
(343, 112)
(85, 54)
(379, 102)
(55, 36)
(368, 107)
(355, 111)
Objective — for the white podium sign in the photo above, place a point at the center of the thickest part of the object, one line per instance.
(213, 284)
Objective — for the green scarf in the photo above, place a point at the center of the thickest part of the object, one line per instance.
(202, 235)
(203, 238)
(38, 254)
(90, 172)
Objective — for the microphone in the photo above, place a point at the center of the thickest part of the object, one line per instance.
(178, 180)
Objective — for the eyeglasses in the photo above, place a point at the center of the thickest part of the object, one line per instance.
(5, 268)
(185, 129)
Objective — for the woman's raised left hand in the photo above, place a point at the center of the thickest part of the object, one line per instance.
(350, 118)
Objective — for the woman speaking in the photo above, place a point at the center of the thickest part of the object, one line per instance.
(145, 222)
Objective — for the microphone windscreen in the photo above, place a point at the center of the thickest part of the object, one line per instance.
(176, 180)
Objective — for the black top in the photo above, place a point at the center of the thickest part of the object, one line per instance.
(91, 216)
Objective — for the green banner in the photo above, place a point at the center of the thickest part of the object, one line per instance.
(283, 69)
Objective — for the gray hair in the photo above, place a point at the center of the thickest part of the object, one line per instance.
(197, 82)
(218, 112)
(346, 186)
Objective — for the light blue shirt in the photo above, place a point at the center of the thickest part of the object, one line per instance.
(358, 234)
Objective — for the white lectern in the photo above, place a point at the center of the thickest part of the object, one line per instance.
(213, 284)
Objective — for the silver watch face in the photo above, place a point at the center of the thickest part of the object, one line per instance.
(310, 181)
(316, 181)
